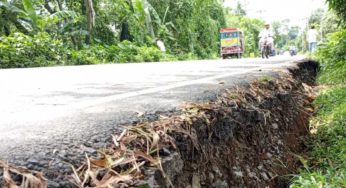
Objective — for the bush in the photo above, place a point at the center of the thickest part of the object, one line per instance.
(333, 59)
(88, 55)
(328, 146)
(150, 54)
(130, 52)
(19, 50)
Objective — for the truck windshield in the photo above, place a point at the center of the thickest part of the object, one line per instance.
(229, 35)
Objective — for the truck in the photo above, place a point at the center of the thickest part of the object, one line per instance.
(231, 43)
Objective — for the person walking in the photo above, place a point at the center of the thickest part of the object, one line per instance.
(312, 39)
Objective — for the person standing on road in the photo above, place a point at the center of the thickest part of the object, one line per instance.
(312, 39)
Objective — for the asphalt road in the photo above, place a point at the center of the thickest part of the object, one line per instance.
(50, 114)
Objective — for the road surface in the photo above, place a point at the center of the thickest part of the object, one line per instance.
(50, 115)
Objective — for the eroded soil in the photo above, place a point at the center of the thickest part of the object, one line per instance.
(248, 137)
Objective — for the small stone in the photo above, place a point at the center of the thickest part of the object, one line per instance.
(217, 171)
(196, 181)
(62, 154)
(60, 165)
(33, 162)
(269, 155)
(52, 184)
(165, 152)
(275, 126)
(247, 168)
(88, 149)
(238, 173)
(220, 184)
(271, 175)
(252, 174)
(260, 167)
(283, 96)
(264, 176)
(211, 176)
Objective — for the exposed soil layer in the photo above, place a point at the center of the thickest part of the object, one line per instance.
(247, 137)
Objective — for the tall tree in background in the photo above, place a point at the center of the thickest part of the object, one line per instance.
(148, 21)
(240, 10)
(316, 17)
(90, 14)
(125, 31)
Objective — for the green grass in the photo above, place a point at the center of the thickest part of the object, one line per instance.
(327, 148)
(265, 78)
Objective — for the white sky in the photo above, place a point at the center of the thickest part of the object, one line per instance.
(275, 10)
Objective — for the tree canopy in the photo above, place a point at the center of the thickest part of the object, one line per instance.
(339, 6)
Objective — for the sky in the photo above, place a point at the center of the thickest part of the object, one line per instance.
(275, 10)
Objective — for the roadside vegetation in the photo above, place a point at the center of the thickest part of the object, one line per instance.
(325, 165)
(66, 32)
(36, 33)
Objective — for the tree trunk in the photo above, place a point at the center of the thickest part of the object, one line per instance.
(148, 19)
(90, 14)
(48, 8)
(125, 31)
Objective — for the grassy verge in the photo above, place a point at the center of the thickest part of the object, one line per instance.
(327, 147)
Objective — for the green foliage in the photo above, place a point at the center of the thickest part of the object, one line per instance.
(328, 146)
(90, 55)
(189, 26)
(189, 29)
(333, 59)
(31, 12)
(339, 6)
(122, 53)
(20, 50)
(316, 17)
(330, 23)
(149, 54)
(251, 28)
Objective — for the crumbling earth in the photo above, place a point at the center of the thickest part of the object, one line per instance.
(248, 137)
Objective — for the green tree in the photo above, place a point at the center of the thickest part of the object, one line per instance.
(339, 6)
(251, 28)
(17, 15)
(316, 17)
(330, 23)
(90, 15)
(280, 31)
(240, 10)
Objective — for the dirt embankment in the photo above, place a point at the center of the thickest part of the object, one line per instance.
(247, 137)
